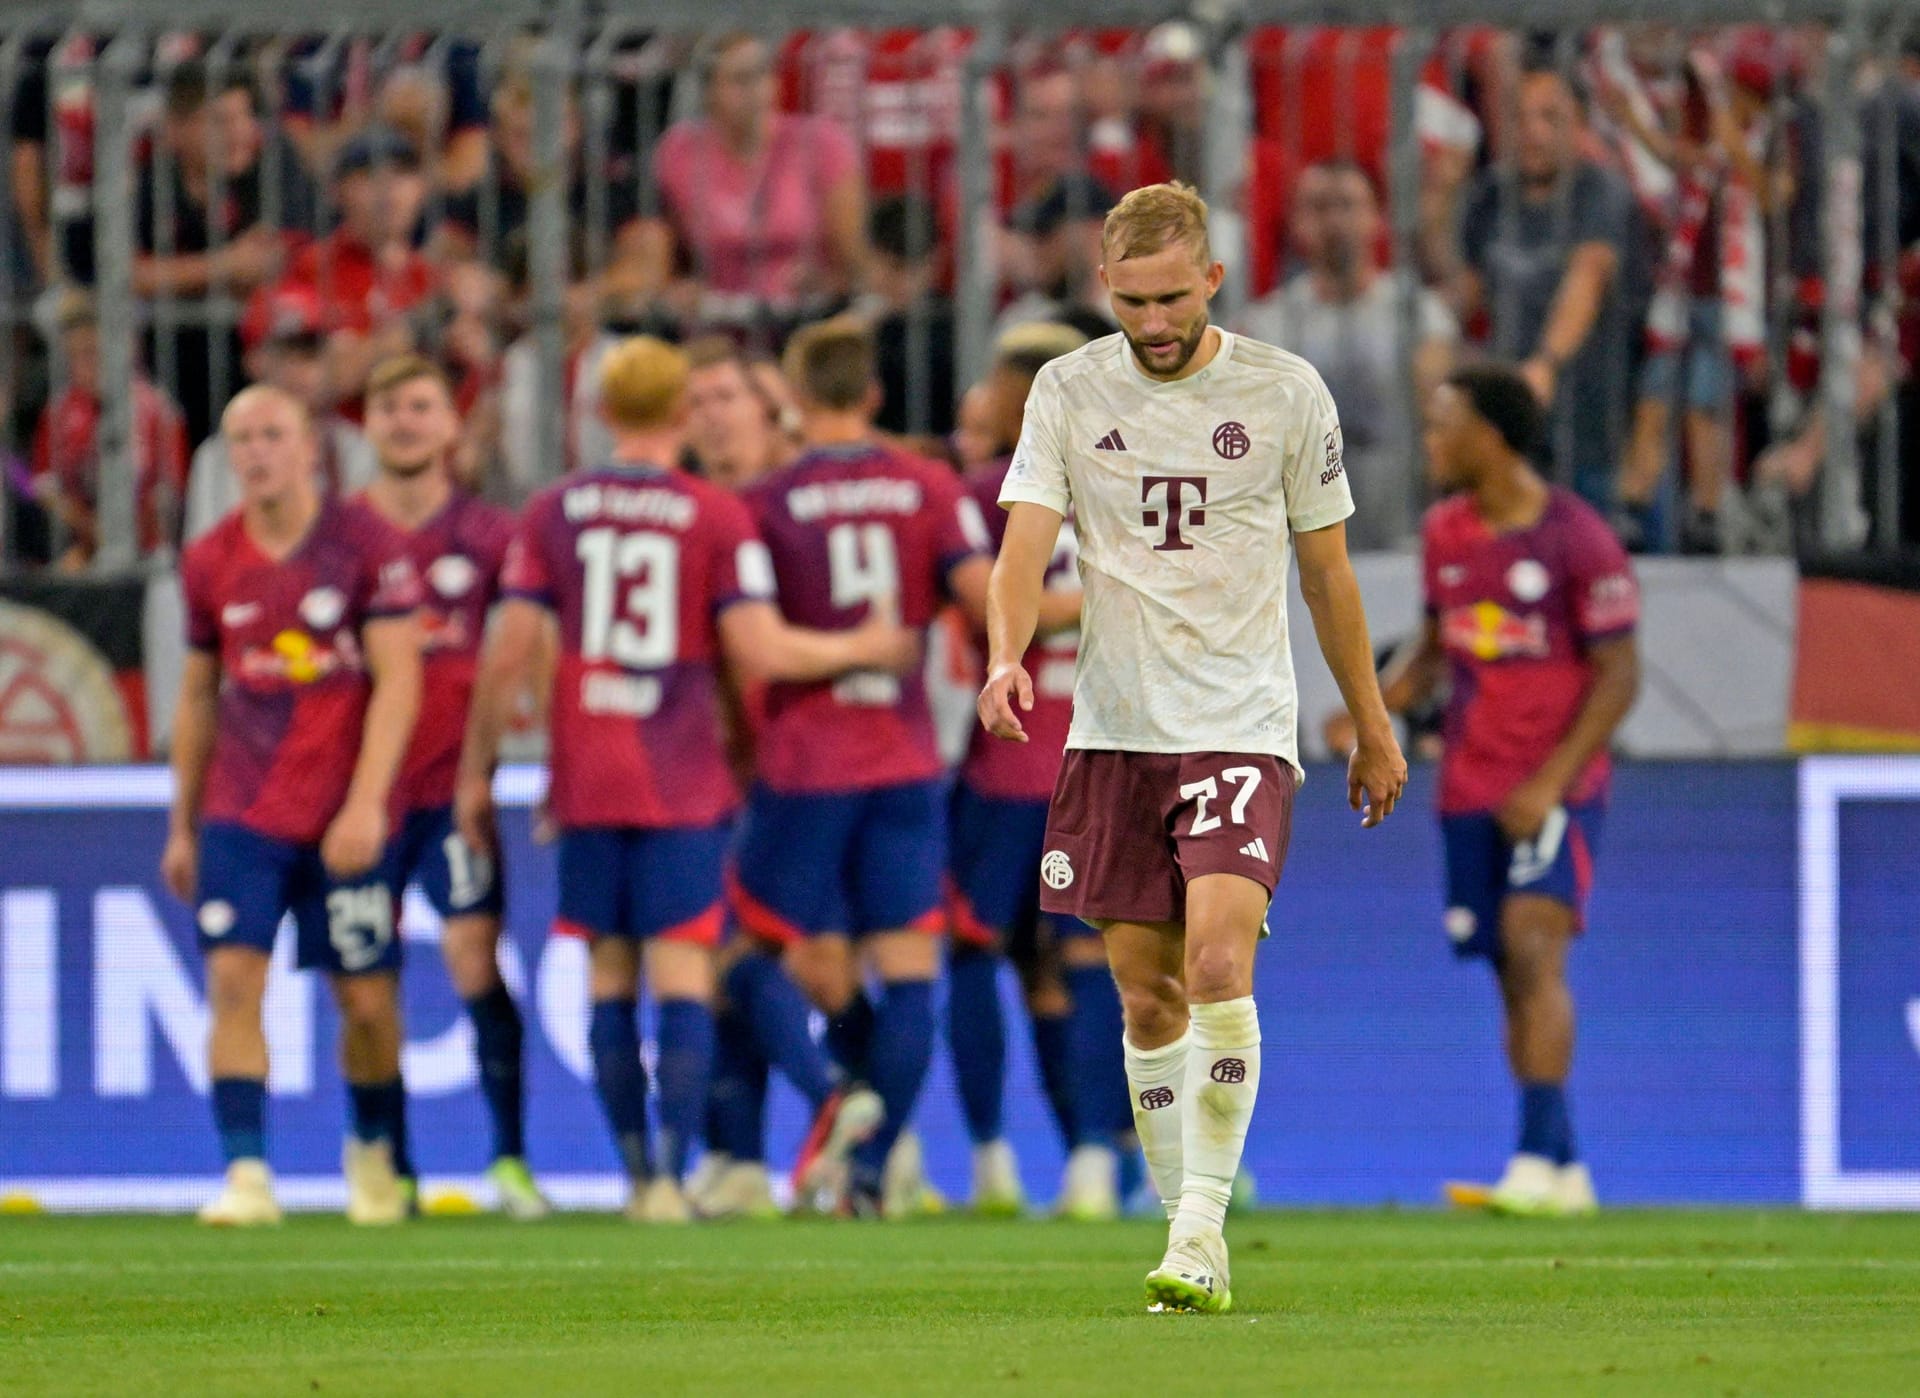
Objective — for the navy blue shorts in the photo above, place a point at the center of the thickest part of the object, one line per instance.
(993, 893)
(459, 881)
(850, 862)
(1484, 869)
(249, 881)
(625, 882)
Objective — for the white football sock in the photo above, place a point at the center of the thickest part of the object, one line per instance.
(1223, 1078)
(1157, 1082)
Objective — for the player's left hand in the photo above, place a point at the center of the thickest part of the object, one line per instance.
(1376, 775)
(1525, 810)
(884, 643)
(354, 842)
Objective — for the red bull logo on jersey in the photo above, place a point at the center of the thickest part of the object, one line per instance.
(1488, 631)
(297, 658)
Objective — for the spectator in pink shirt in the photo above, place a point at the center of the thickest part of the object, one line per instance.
(764, 211)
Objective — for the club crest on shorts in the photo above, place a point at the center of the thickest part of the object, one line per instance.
(1229, 1070)
(1154, 1098)
(1056, 870)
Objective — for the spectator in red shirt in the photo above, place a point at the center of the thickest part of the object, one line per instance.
(367, 271)
(66, 464)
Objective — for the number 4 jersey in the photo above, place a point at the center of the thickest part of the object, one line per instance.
(637, 565)
(845, 525)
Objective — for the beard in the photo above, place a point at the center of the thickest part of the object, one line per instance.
(1189, 345)
(410, 468)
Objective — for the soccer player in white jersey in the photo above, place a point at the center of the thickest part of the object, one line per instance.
(1190, 457)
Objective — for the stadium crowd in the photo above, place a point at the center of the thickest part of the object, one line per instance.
(1634, 215)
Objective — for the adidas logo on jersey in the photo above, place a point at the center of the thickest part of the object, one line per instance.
(1110, 442)
(1256, 850)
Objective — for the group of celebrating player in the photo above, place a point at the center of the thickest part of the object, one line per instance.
(1117, 826)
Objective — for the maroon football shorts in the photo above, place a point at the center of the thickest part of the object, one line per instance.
(1127, 831)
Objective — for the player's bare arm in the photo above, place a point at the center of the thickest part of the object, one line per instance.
(969, 581)
(1014, 598)
(1409, 679)
(761, 645)
(519, 653)
(1376, 772)
(354, 841)
(1616, 680)
(194, 718)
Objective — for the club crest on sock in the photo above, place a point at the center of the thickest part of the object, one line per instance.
(1229, 1070)
(1155, 1098)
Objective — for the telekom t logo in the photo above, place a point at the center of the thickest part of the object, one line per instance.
(1176, 487)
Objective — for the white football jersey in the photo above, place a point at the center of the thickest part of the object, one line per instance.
(1186, 496)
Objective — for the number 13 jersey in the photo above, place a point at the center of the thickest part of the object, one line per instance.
(637, 565)
(1185, 496)
(845, 525)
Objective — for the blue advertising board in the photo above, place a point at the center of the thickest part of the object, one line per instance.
(1749, 995)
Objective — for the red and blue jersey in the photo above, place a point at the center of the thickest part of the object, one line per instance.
(458, 555)
(845, 525)
(1518, 613)
(637, 565)
(294, 681)
(1026, 771)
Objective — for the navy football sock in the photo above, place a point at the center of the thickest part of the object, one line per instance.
(1052, 1055)
(1102, 1107)
(498, 1037)
(850, 1036)
(620, 1079)
(977, 1036)
(685, 1066)
(902, 1048)
(737, 1095)
(378, 1114)
(240, 1116)
(1545, 1128)
(776, 1014)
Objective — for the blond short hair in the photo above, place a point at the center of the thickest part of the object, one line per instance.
(831, 362)
(1153, 218)
(1026, 348)
(642, 382)
(390, 373)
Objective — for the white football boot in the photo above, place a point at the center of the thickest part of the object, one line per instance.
(374, 1195)
(1528, 1189)
(1090, 1186)
(997, 1192)
(1191, 1277)
(246, 1200)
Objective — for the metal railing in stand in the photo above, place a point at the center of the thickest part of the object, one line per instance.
(580, 38)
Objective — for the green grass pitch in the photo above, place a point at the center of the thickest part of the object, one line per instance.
(1666, 1303)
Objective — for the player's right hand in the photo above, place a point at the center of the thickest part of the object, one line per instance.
(1007, 686)
(355, 841)
(180, 864)
(1376, 775)
(473, 814)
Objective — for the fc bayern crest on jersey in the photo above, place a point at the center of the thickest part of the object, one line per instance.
(1230, 439)
(453, 575)
(323, 607)
(1527, 580)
